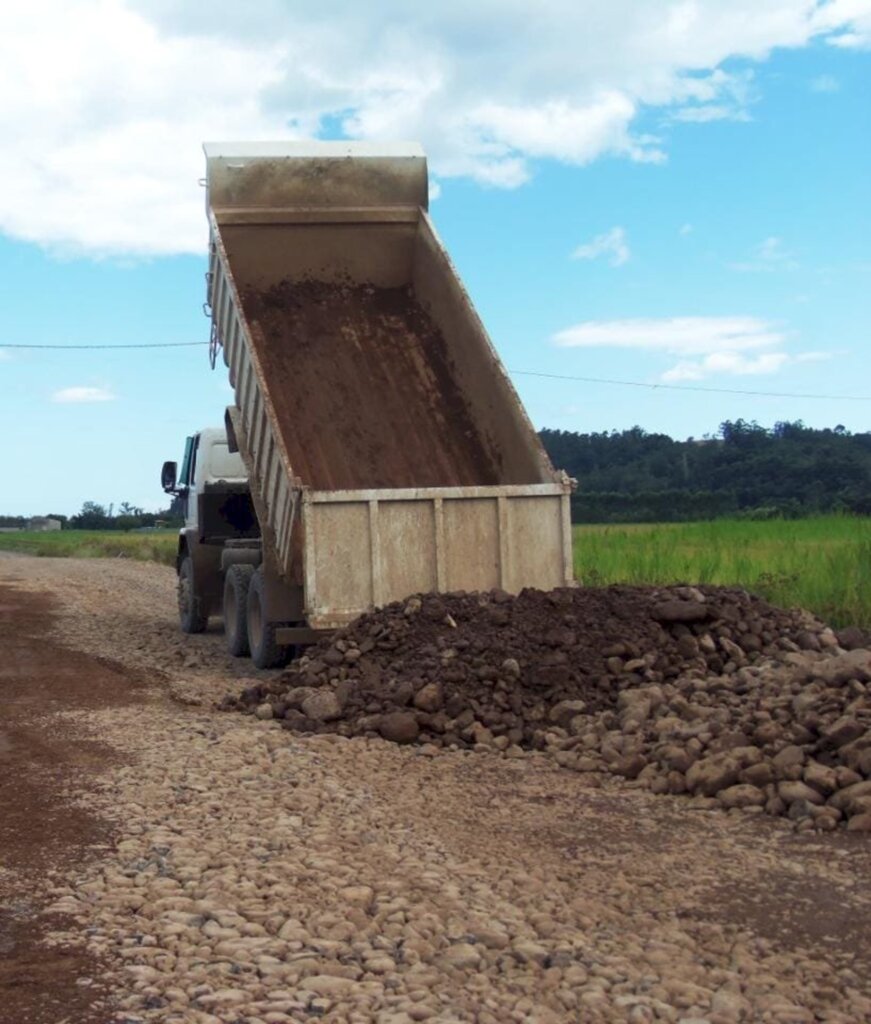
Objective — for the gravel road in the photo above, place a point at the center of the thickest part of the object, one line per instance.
(235, 872)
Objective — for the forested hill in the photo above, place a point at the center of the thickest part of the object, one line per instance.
(747, 469)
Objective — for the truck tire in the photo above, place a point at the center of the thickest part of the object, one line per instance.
(265, 652)
(192, 615)
(236, 584)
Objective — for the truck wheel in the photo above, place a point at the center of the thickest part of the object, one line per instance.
(191, 612)
(236, 584)
(265, 652)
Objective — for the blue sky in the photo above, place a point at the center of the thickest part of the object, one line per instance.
(681, 198)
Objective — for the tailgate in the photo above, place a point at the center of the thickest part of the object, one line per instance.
(364, 549)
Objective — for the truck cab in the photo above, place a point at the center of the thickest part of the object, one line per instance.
(213, 486)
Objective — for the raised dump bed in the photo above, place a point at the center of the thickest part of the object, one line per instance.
(386, 449)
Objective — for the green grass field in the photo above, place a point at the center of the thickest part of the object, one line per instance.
(823, 564)
(154, 546)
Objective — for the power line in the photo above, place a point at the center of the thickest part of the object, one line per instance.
(150, 344)
(693, 387)
(523, 373)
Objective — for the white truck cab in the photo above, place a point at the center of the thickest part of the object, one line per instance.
(220, 557)
(220, 529)
(207, 460)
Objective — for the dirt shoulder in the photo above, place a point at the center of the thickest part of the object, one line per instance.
(258, 875)
(45, 833)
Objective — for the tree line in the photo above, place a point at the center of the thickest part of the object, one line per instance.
(788, 470)
(94, 516)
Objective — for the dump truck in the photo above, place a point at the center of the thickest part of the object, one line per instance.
(385, 451)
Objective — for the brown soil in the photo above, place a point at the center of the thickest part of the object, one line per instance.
(364, 389)
(43, 832)
(566, 644)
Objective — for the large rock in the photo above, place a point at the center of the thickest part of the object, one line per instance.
(718, 771)
(843, 731)
(732, 1004)
(430, 698)
(790, 791)
(821, 777)
(677, 758)
(857, 755)
(846, 799)
(295, 696)
(399, 727)
(511, 668)
(842, 668)
(852, 637)
(757, 774)
(630, 766)
(562, 713)
(492, 936)
(527, 950)
(327, 985)
(741, 796)
(461, 955)
(680, 611)
(790, 756)
(322, 706)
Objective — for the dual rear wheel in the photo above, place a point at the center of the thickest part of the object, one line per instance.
(246, 623)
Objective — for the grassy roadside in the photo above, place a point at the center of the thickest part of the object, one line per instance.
(823, 564)
(154, 546)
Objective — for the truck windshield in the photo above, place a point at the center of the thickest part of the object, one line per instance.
(184, 475)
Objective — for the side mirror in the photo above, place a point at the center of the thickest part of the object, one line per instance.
(167, 477)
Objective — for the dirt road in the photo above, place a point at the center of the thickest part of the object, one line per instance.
(162, 861)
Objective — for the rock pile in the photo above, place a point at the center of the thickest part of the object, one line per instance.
(704, 691)
(791, 739)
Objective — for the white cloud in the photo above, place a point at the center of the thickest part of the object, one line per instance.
(103, 117)
(824, 83)
(848, 21)
(687, 335)
(737, 346)
(713, 112)
(734, 363)
(730, 345)
(83, 394)
(813, 357)
(572, 133)
(722, 96)
(435, 189)
(612, 244)
(770, 249)
(768, 255)
(104, 103)
(852, 40)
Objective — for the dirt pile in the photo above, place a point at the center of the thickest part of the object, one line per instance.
(705, 691)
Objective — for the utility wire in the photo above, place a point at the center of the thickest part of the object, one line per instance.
(693, 387)
(150, 344)
(524, 373)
